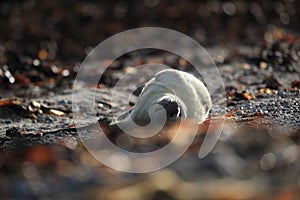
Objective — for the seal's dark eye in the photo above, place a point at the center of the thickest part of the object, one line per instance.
(172, 108)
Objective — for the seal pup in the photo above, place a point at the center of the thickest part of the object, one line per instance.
(172, 94)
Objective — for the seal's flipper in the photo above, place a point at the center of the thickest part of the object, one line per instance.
(172, 108)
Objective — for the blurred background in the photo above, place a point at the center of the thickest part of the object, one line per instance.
(61, 33)
(42, 44)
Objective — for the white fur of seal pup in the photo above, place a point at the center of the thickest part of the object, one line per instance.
(181, 94)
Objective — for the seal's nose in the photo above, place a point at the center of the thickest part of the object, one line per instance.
(172, 108)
